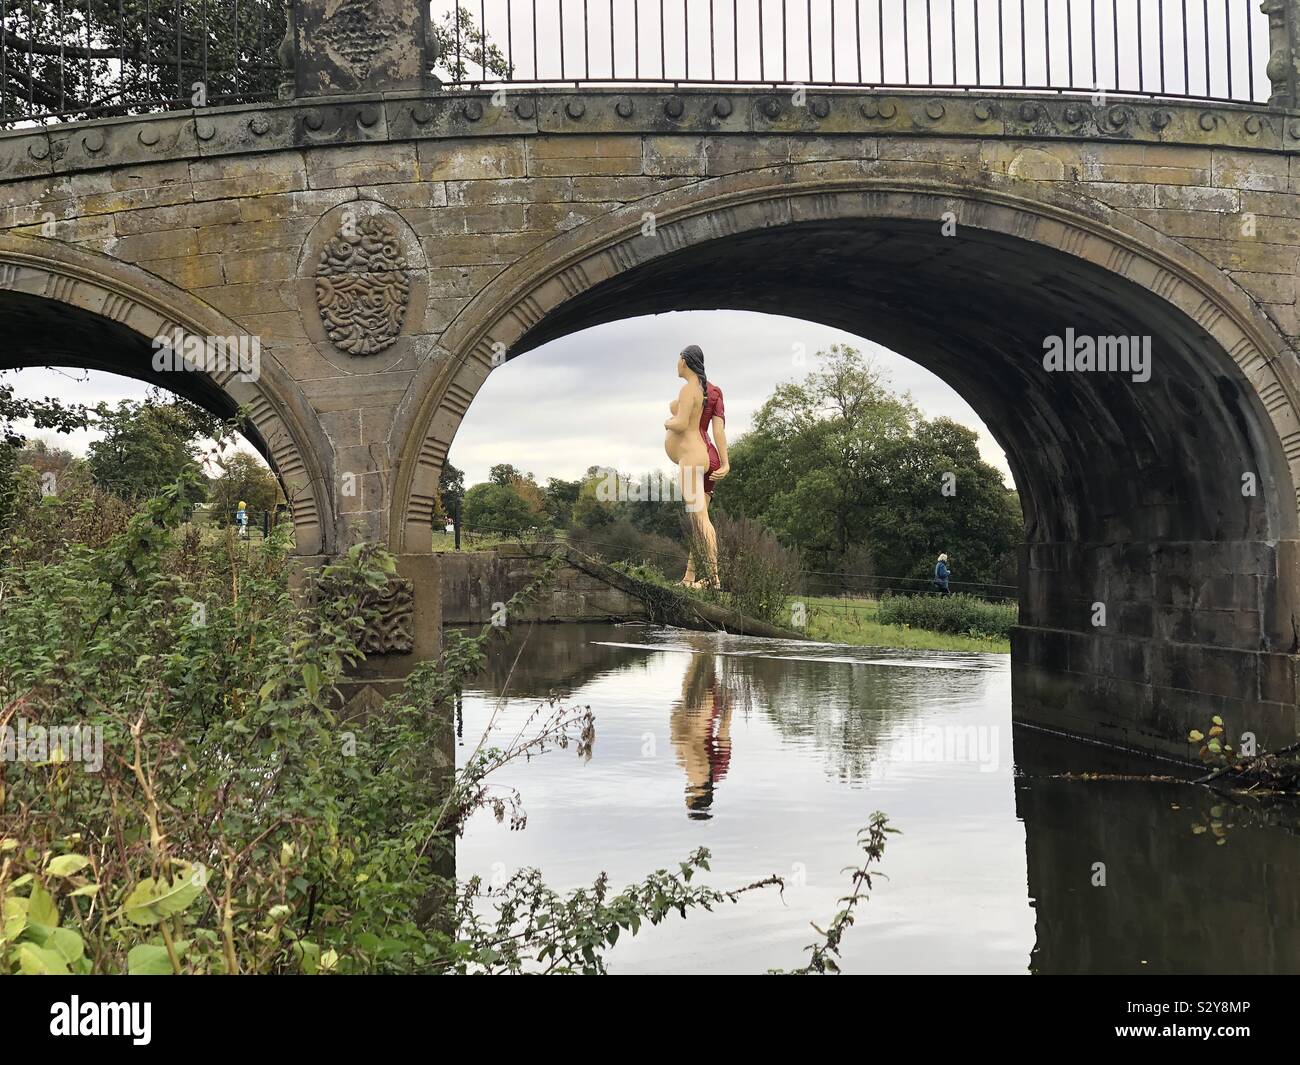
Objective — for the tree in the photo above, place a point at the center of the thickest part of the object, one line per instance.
(524, 485)
(243, 478)
(117, 57)
(461, 49)
(839, 467)
(558, 498)
(497, 508)
(43, 458)
(147, 446)
(47, 413)
(591, 509)
(451, 492)
(943, 497)
(78, 57)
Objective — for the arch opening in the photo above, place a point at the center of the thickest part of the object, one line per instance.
(65, 306)
(49, 334)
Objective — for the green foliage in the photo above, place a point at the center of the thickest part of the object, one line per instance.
(31, 941)
(622, 542)
(497, 508)
(477, 57)
(958, 614)
(837, 463)
(147, 446)
(824, 955)
(756, 572)
(559, 498)
(451, 492)
(47, 413)
(15, 453)
(134, 53)
(42, 526)
(243, 478)
(833, 619)
(227, 814)
(1212, 745)
(593, 509)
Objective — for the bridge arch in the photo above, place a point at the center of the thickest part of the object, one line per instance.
(1129, 488)
(571, 283)
(64, 305)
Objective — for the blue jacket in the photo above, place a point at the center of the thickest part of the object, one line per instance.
(941, 575)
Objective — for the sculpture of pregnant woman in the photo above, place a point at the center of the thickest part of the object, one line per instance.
(698, 409)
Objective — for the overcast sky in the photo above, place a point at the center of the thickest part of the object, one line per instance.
(868, 36)
(600, 397)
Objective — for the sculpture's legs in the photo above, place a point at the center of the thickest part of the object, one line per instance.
(703, 538)
(709, 538)
(686, 479)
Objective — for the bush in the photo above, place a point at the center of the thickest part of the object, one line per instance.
(960, 614)
(38, 527)
(624, 542)
(756, 572)
(496, 508)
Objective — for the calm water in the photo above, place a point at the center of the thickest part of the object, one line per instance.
(774, 754)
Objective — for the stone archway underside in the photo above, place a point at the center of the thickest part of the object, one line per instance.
(67, 307)
(1132, 491)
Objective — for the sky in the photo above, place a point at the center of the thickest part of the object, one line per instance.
(722, 40)
(600, 396)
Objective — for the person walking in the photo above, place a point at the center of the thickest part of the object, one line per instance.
(941, 575)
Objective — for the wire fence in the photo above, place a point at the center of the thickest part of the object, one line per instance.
(1201, 49)
(256, 524)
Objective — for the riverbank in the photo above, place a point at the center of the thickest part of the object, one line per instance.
(483, 573)
(832, 619)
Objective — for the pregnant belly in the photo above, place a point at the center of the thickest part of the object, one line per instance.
(673, 444)
(686, 448)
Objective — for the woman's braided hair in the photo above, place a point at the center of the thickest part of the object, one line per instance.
(694, 359)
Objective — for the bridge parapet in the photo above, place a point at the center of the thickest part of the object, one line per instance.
(362, 120)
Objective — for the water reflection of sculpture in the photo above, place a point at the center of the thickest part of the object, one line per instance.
(700, 728)
(697, 409)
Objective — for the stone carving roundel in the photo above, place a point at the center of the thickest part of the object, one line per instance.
(363, 288)
(363, 285)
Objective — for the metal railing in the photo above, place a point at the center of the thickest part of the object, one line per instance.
(70, 59)
(1202, 49)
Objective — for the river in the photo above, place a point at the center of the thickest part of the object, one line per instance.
(773, 755)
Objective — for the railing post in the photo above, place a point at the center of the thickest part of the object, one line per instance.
(356, 46)
(1284, 51)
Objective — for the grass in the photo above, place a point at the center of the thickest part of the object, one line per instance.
(445, 541)
(856, 621)
(832, 619)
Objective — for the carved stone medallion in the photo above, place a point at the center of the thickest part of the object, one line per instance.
(389, 631)
(363, 286)
(356, 32)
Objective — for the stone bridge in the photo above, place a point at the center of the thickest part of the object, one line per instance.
(390, 248)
